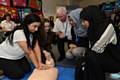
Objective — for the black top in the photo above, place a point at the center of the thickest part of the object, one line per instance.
(98, 25)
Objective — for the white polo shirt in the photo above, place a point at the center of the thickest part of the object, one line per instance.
(14, 52)
(64, 27)
(8, 25)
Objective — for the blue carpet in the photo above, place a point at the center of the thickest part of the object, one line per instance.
(64, 74)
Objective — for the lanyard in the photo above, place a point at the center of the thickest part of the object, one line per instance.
(65, 27)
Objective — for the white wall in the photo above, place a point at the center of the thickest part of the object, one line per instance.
(49, 6)
(83, 3)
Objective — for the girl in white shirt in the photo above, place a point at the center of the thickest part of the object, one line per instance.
(24, 40)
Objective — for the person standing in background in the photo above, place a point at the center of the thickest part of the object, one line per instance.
(62, 28)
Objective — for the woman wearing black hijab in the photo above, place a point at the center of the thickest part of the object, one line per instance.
(104, 49)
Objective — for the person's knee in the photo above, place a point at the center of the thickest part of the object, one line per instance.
(79, 51)
(69, 55)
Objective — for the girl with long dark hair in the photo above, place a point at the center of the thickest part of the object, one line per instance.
(24, 40)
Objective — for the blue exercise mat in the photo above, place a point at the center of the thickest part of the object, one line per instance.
(63, 74)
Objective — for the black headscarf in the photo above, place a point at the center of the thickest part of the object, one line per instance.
(97, 21)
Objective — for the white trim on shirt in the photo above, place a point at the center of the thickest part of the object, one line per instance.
(109, 36)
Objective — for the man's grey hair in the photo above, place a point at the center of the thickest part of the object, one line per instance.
(61, 10)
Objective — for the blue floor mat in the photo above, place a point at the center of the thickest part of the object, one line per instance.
(64, 74)
(67, 63)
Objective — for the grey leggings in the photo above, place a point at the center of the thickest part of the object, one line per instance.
(76, 52)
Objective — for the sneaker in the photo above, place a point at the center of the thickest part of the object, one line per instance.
(1, 74)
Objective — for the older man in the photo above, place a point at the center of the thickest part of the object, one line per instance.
(62, 28)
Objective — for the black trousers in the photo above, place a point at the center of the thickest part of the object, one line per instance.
(78, 69)
(61, 46)
(96, 65)
(15, 69)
